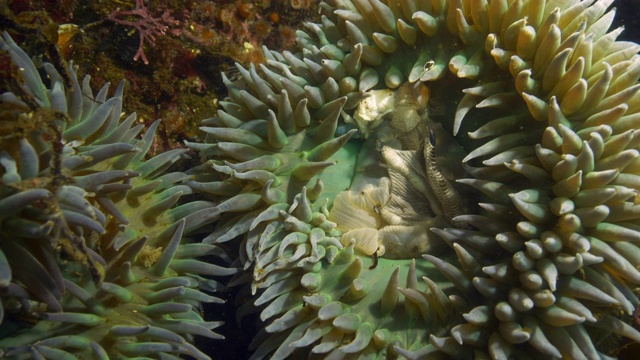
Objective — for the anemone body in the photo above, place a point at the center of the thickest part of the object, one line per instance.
(95, 262)
(498, 221)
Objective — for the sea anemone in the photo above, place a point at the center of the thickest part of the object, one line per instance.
(94, 261)
(489, 148)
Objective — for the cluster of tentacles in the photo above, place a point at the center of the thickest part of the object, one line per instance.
(94, 262)
(341, 187)
(422, 179)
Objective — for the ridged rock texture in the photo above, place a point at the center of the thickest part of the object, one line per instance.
(94, 262)
(435, 179)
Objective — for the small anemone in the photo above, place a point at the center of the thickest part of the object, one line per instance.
(94, 256)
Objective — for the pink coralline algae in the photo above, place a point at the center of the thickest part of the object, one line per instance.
(148, 27)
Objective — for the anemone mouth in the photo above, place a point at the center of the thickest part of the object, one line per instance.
(403, 184)
(540, 126)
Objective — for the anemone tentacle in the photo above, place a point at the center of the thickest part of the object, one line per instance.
(94, 252)
(541, 116)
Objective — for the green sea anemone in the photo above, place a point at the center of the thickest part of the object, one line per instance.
(489, 148)
(94, 262)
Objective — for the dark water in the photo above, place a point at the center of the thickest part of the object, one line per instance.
(628, 15)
